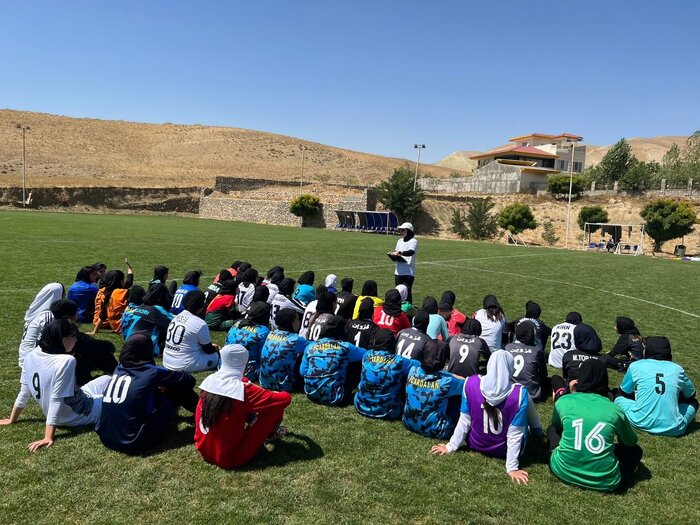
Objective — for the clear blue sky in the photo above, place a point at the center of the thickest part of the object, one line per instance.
(375, 76)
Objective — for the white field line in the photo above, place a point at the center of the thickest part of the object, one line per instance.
(555, 281)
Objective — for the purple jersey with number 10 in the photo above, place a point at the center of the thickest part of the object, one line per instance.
(486, 436)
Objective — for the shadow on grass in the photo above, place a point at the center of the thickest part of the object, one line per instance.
(176, 438)
(692, 428)
(642, 474)
(293, 448)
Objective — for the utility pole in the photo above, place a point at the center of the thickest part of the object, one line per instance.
(303, 158)
(571, 184)
(24, 163)
(419, 147)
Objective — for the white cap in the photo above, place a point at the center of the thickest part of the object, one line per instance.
(406, 226)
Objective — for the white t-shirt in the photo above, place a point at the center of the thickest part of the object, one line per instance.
(280, 302)
(244, 297)
(183, 345)
(49, 379)
(273, 288)
(408, 267)
(491, 331)
(306, 319)
(562, 340)
(32, 333)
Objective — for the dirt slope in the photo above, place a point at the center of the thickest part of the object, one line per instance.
(90, 152)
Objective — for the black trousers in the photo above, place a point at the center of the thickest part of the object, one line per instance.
(182, 396)
(92, 354)
(629, 457)
(406, 280)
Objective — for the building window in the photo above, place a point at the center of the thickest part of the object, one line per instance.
(563, 165)
(578, 167)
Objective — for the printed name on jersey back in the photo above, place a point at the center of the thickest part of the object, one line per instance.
(361, 326)
(583, 357)
(382, 359)
(520, 350)
(420, 383)
(327, 346)
(412, 337)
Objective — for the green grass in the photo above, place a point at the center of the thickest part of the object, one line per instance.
(337, 467)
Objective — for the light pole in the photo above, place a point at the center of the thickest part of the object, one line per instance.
(303, 158)
(419, 147)
(571, 184)
(24, 163)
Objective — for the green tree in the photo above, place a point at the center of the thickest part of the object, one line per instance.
(592, 214)
(559, 185)
(641, 176)
(615, 163)
(516, 218)
(458, 224)
(672, 158)
(667, 219)
(305, 206)
(549, 235)
(397, 194)
(481, 223)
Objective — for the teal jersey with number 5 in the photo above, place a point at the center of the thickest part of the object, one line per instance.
(657, 386)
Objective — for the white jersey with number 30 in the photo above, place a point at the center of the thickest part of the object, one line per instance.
(562, 340)
(183, 344)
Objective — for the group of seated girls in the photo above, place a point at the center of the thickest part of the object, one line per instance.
(470, 380)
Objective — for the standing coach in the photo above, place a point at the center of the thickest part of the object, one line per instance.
(405, 258)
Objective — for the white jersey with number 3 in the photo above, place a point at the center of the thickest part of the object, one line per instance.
(52, 377)
(561, 341)
(183, 344)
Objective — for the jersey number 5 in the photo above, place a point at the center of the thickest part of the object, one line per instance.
(660, 385)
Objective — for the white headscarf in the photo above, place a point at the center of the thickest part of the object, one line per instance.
(227, 380)
(496, 385)
(42, 302)
(331, 279)
(403, 292)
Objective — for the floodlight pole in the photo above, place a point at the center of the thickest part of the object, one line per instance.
(571, 184)
(419, 147)
(24, 164)
(303, 158)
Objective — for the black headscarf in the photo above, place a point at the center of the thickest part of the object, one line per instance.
(586, 339)
(223, 276)
(366, 310)
(392, 303)
(346, 284)
(192, 278)
(421, 320)
(574, 318)
(112, 280)
(259, 313)
(490, 301)
(250, 276)
(261, 294)
(657, 347)
(472, 327)
(84, 274)
(236, 264)
(63, 308)
(525, 333)
(409, 235)
(532, 310)
(326, 303)
(430, 305)
(334, 328)
(160, 273)
(383, 339)
(369, 288)
(51, 340)
(320, 290)
(286, 287)
(194, 301)
(276, 277)
(307, 278)
(285, 319)
(136, 294)
(228, 286)
(447, 301)
(245, 265)
(434, 356)
(158, 295)
(275, 270)
(137, 352)
(625, 325)
(593, 377)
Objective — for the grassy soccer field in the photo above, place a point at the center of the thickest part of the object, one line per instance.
(336, 467)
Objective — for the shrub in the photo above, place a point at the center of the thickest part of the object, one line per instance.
(477, 223)
(397, 194)
(458, 224)
(559, 185)
(592, 214)
(549, 236)
(667, 219)
(516, 218)
(305, 206)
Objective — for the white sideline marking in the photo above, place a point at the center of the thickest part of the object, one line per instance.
(555, 281)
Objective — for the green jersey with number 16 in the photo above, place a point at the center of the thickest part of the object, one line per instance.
(585, 456)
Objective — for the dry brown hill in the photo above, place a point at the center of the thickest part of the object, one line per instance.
(67, 151)
(645, 149)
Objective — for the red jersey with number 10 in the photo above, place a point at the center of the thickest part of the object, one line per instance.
(395, 324)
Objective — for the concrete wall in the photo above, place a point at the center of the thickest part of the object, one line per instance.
(494, 178)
